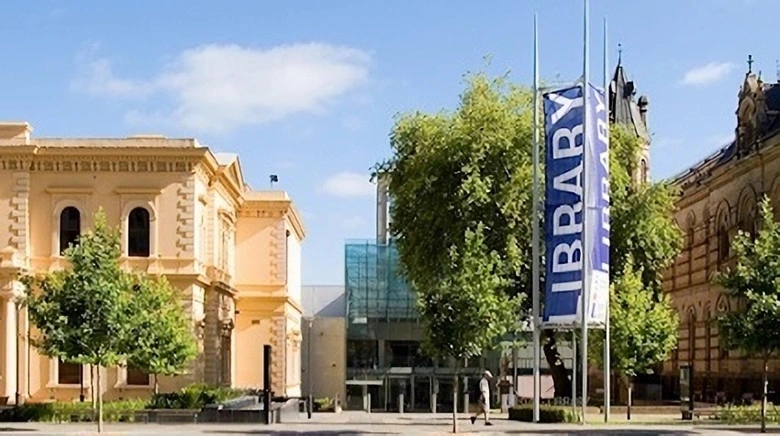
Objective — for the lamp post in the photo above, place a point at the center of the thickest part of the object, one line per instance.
(310, 399)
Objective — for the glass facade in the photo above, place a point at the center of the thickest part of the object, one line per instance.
(384, 353)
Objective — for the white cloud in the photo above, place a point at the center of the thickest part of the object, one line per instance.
(707, 74)
(217, 88)
(349, 184)
(353, 222)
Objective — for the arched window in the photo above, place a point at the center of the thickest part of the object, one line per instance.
(70, 227)
(138, 233)
(724, 245)
(643, 171)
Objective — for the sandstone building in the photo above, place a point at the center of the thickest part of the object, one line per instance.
(183, 211)
(720, 195)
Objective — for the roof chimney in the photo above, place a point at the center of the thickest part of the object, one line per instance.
(16, 131)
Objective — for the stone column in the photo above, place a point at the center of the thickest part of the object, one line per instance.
(9, 352)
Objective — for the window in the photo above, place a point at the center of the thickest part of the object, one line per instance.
(643, 171)
(70, 227)
(723, 246)
(136, 377)
(68, 373)
(138, 233)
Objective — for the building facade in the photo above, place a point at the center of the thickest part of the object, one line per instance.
(184, 212)
(719, 197)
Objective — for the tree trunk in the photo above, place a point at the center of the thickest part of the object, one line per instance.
(630, 385)
(455, 391)
(156, 385)
(99, 402)
(764, 392)
(92, 388)
(557, 368)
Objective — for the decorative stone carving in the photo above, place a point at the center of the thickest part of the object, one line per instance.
(20, 225)
(186, 217)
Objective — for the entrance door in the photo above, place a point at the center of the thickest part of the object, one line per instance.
(396, 386)
(422, 394)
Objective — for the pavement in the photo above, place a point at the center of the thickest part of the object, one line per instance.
(361, 423)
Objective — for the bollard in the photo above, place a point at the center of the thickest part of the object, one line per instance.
(309, 405)
(433, 403)
(368, 401)
(401, 404)
(466, 403)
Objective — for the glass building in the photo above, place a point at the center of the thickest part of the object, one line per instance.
(384, 356)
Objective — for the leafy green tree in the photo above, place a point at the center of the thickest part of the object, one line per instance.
(461, 188)
(84, 314)
(164, 344)
(642, 231)
(755, 282)
(453, 171)
(643, 329)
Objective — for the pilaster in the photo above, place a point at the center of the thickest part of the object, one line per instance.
(185, 229)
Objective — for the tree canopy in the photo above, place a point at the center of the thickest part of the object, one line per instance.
(643, 328)
(95, 313)
(754, 327)
(164, 343)
(461, 188)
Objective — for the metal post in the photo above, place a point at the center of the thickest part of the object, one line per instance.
(585, 297)
(514, 374)
(267, 383)
(607, 360)
(574, 371)
(308, 364)
(536, 321)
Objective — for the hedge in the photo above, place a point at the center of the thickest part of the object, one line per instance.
(547, 414)
(195, 396)
(113, 411)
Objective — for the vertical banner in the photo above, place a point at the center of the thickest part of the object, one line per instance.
(573, 189)
(597, 180)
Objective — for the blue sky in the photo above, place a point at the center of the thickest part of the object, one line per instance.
(308, 89)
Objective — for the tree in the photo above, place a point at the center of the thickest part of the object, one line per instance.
(83, 314)
(164, 343)
(643, 329)
(755, 282)
(642, 231)
(460, 183)
(452, 171)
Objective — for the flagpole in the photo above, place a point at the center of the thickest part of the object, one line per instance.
(535, 233)
(584, 297)
(607, 369)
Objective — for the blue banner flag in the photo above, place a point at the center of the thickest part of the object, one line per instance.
(572, 190)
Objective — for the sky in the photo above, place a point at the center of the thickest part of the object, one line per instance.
(308, 90)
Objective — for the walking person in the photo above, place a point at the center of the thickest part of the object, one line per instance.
(484, 398)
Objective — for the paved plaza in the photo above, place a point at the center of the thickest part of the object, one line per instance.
(358, 423)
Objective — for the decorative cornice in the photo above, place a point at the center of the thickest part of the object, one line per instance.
(274, 209)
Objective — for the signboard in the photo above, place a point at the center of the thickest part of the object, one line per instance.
(572, 190)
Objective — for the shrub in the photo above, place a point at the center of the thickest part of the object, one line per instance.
(746, 414)
(194, 396)
(114, 411)
(547, 414)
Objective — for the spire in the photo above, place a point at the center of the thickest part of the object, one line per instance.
(750, 63)
(620, 53)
